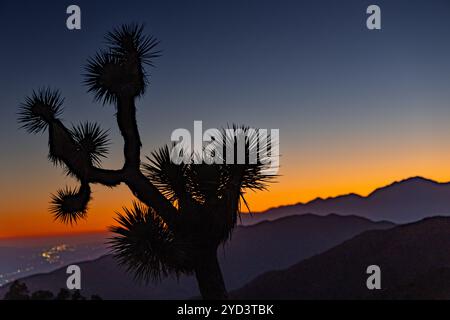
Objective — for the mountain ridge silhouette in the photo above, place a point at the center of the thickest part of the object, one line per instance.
(253, 250)
(412, 258)
(401, 201)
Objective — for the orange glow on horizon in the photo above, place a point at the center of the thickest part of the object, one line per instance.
(354, 167)
(291, 187)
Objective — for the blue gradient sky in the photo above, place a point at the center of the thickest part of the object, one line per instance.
(355, 108)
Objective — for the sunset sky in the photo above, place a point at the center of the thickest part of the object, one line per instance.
(356, 109)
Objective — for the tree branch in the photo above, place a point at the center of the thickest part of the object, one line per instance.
(106, 177)
(146, 192)
(64, 149)
(126, 120)
(141, 187)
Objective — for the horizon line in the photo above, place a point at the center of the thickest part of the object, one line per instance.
(97, 231)
(351, 193)
(54, 234)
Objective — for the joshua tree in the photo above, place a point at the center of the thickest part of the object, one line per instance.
(185, 211)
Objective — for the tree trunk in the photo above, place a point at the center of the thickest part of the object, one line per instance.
(209, 277)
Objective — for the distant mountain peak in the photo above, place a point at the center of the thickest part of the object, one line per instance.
(320, 199)
(408, 182)
(402, 201)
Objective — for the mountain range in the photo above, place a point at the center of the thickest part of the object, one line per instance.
(314, 250)
(414, 260)
(252, 250)
(404, 201)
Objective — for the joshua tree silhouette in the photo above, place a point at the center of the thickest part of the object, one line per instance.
(184, 212)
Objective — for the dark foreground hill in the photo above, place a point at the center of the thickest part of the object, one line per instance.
(400, 202)
(252, 251)
(414, 261)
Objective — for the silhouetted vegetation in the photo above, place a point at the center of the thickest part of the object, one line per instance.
(42, 295)
(185, 211)
(19, 291)
(63, 294)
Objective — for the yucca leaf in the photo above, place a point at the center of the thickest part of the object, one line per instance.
(119, 70)
(129, 42)
(92, 140)
(168, 177)
(146, 246)
(70, 205)
(39, 109)
(103, 77)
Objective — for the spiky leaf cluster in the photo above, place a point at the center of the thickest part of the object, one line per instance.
(92, 140)
(217, 187)
(39, 109)
(129, 42)
(119, 70)
(69, 205)
(146, 246)
(203, 181)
